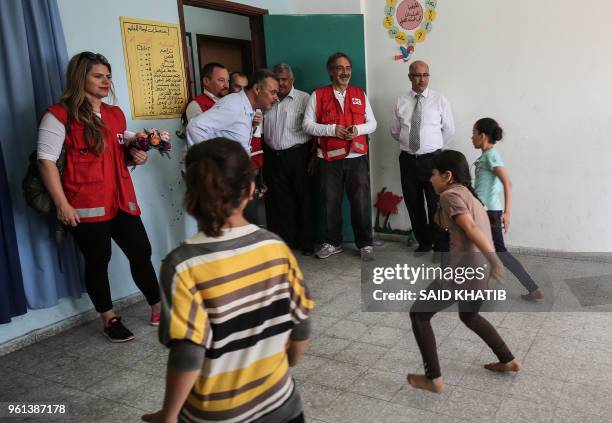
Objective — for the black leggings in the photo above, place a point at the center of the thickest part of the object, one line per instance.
(94, 241)
(508, 259)
(421, 314)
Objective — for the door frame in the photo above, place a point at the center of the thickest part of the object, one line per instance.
(255, 15)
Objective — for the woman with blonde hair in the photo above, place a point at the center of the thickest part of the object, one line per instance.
(94, 195)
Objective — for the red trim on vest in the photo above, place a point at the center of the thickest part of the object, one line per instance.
(204, 101)
(330, 112)
(257, 156)
(97, 186)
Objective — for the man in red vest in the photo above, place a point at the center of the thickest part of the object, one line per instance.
(340, 116)
(215, 84)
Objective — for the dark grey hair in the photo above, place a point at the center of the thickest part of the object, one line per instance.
(283, 67)
(259, 77)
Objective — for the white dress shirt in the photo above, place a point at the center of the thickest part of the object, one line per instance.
(194, 109)
(231, 117)
(437, 125)
(283, 122)
(323, 130)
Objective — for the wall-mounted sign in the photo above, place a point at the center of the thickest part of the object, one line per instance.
(154, 64)
(408, 22)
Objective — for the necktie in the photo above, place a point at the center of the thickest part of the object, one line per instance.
(414, 139)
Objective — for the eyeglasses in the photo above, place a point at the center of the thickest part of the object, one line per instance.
(419, 75)
(343, 68)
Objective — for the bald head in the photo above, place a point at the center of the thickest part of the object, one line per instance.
(418, 73)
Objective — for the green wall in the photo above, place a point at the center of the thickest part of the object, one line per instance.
(305, 42)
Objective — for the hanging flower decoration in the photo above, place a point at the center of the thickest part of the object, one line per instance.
(414, 22)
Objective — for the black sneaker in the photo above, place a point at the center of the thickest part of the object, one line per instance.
(116, 332)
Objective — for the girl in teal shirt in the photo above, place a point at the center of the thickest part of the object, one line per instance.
(491, 179)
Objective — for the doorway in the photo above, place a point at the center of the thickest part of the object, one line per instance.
(235, 54)
(224, 32)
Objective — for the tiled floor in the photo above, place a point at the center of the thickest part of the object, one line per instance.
(355, 368)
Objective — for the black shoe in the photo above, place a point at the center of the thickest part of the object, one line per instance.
(307, 252)
(116, 332)
(422, 250)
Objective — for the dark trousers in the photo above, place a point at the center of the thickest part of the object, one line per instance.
(515, 267)
(352, 176)
(289, 211)
(94, 241)
(420, 197)
(421, 314)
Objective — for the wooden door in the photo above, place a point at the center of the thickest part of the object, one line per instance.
(235, 54)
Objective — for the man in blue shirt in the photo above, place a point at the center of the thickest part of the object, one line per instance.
(232, 116)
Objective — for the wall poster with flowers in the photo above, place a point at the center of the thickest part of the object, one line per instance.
(408, 23)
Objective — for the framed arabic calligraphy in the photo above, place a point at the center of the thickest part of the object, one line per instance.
(408, 22)
(154, 64)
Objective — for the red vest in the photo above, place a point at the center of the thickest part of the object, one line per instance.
(204, 101)
(329, 112)
(97, 186)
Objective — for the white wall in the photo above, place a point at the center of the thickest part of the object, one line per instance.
(96, 28)
(542, 69)
(212, 22)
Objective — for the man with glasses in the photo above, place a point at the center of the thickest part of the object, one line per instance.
(423, 125)
(340, 116)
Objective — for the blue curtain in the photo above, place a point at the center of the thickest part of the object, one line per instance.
(33, 59)
(12, 296)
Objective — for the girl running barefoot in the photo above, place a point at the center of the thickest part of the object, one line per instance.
(491, 178)
(462, 214)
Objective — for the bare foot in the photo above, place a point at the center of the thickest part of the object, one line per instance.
(422, 382)
(512, 366)
(538, 294)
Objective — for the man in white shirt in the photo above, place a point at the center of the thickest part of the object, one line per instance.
(423, 125)
(215, 85)
(340, 116)
(288, 152)
(232, 116)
